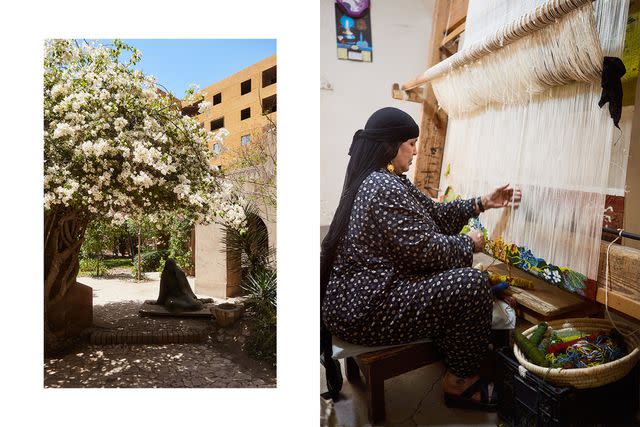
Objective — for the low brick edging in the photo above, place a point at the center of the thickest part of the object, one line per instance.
(157, 337)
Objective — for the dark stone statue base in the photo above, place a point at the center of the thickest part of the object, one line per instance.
(150, 308)
(74, 313)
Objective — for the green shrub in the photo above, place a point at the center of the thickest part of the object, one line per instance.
(263, 340)
(150, 261)
(262, 299)
(92, 267)
(117, 263)
(179, 244)
(184, 262)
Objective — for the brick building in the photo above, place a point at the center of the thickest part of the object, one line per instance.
(243, 103)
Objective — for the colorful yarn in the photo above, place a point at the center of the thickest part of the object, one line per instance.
(588, 351)
(497, 289)
(519, 282)
(522, 258)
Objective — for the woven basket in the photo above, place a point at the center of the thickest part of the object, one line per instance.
(585, 377)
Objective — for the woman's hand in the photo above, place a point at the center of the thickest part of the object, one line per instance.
(478, 240)
(501, 197)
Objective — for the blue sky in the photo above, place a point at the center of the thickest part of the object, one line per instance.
(178, 63)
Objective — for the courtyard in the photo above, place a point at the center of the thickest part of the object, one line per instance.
(219, 361)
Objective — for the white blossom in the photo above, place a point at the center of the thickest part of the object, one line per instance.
(204, 106)
(57, 90)
(62, 130)
(115, 146)
(142, 179)
(120, 123)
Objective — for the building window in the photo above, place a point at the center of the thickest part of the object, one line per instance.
(217, 98)
(217, 124)
(245, 139)
(245, 87)
(269, 105)
(269, 76)
(216, 148)
(190, 110)
(245, 114)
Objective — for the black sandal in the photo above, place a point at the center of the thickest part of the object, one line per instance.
(465, 399)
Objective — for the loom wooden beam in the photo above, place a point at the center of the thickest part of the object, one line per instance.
(632, 197)
(547, 301)
(544, 301)
(413, 95)
(449, 44)
(542, 16)
(624, 279)
(619, 303)
(456, 25)
(457, 14)
(433, 124)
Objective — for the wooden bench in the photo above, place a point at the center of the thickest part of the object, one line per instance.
(378, 366)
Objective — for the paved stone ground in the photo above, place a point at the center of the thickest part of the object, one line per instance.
(220, 362)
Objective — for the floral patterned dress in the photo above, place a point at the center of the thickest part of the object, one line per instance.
(402, 273)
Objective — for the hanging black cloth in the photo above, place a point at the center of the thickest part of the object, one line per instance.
(612, 71)
(372, 148)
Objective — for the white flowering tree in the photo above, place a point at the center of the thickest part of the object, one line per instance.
(115, 146)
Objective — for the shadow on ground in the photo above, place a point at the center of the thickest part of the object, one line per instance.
(220, 362)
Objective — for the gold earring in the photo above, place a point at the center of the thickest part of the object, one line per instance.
(390, 168)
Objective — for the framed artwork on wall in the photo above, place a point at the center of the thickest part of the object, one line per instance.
(353, 30)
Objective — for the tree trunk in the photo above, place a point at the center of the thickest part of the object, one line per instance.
(63, 236)
(139, 266)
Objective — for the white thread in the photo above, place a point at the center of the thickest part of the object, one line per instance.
(555, 144)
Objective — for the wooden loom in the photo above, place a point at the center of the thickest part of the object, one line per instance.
(624, 282)
(545, 302)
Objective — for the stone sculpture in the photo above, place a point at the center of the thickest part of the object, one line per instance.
(175, 293)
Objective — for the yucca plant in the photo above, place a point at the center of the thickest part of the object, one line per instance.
(261, 287)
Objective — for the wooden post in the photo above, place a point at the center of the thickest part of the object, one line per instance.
(632, 197)
(433, 125)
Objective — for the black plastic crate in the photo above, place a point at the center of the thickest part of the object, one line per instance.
(529, 401)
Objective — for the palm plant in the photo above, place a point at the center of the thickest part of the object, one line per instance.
(249, 250)
(262, 289)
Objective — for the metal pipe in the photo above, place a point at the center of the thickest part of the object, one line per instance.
(625, 234)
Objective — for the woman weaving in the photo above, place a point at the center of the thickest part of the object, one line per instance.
(394, 268)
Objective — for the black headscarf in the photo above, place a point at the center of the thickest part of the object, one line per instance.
(372, 148)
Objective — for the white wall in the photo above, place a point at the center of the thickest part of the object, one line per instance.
(400, 40)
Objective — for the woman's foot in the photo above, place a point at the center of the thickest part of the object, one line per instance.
(470, 393)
